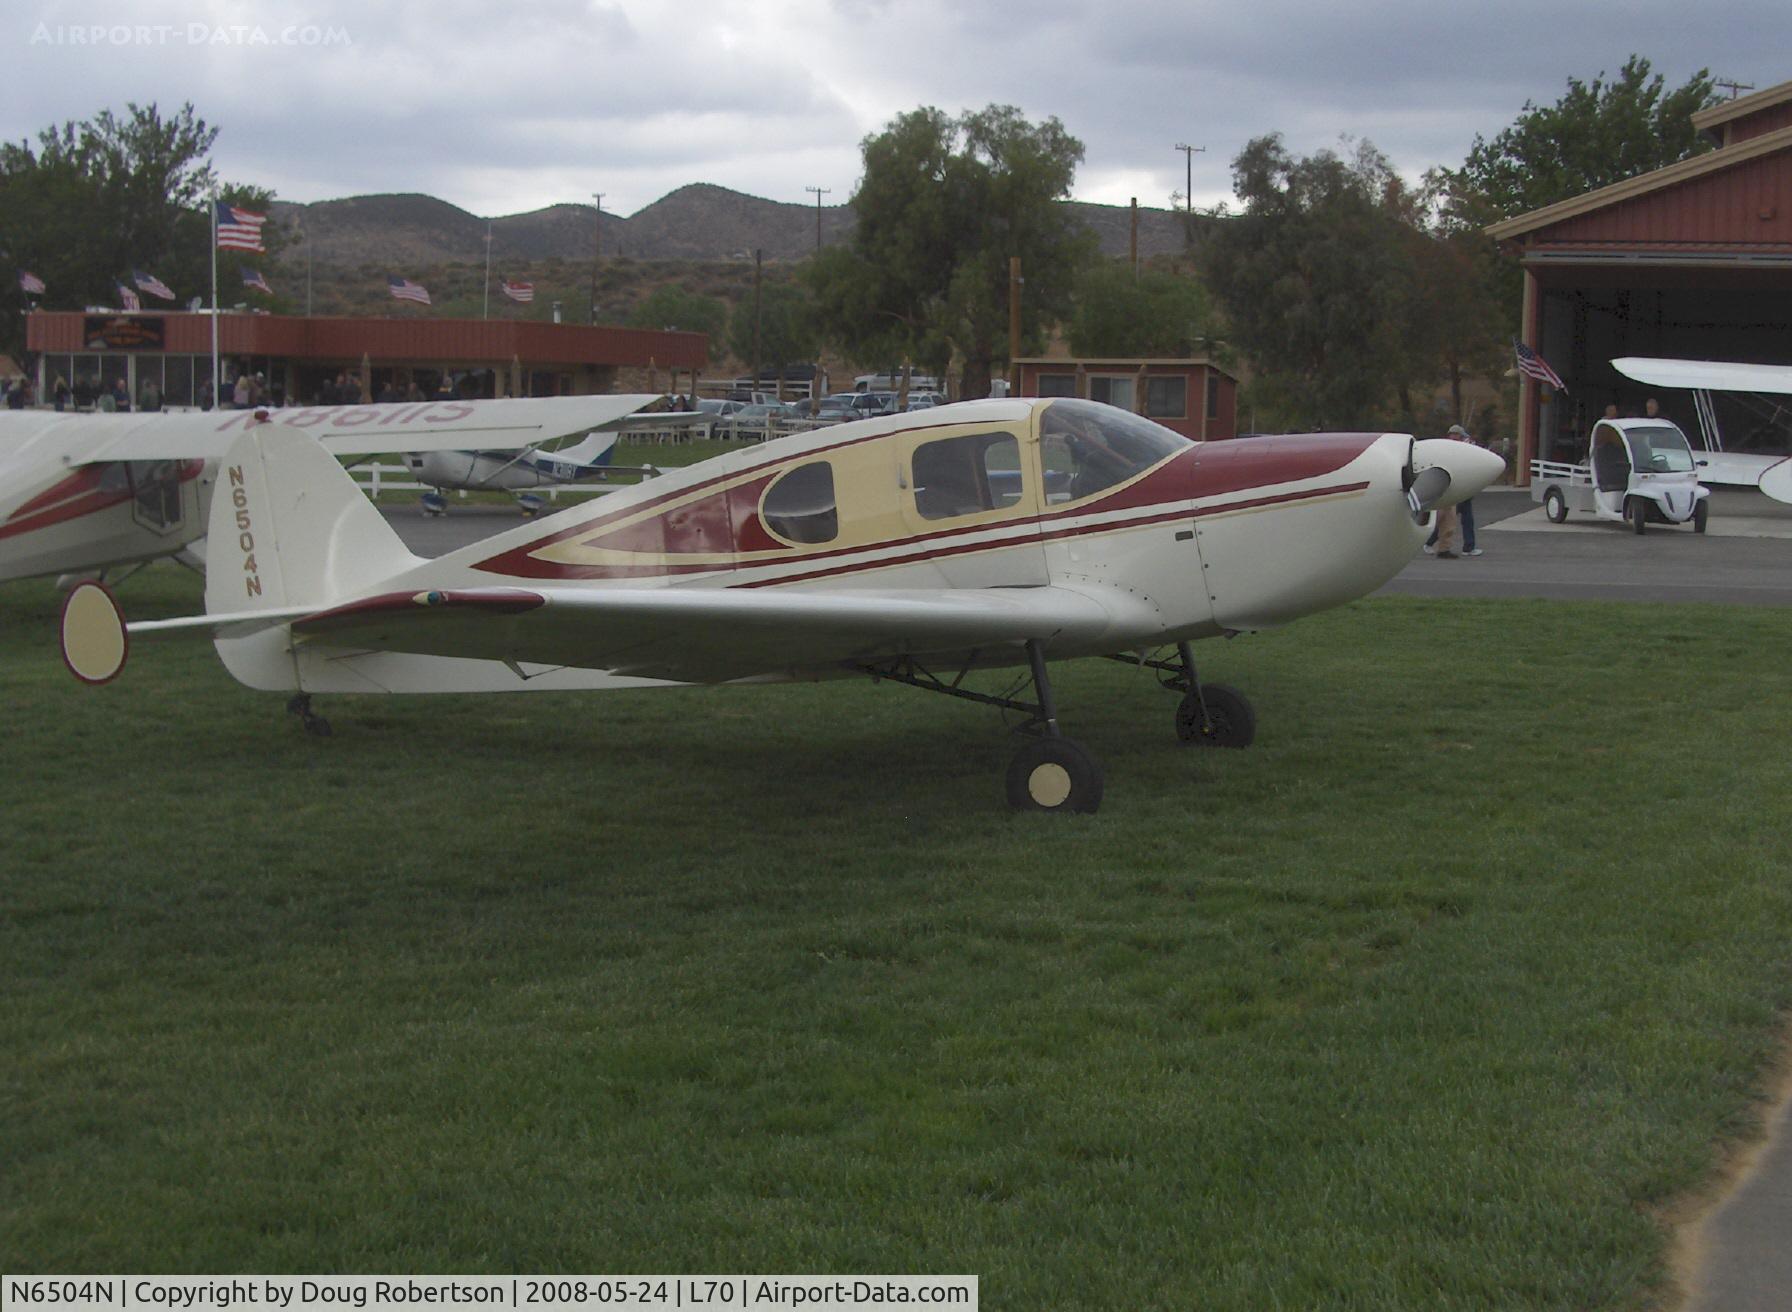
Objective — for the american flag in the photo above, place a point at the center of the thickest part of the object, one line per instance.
(403, 289)
(253, 278)
(519, 291)
(1535, 366)
(148, 282)
(239, 230)
(30, 283)
(128, 298)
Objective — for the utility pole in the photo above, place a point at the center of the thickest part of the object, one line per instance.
(1734, 88)
(1135, 237)
(755, 387)
(819, 193)
(1188, 191)
(486, 312)
(597, 249)
(1014, 284)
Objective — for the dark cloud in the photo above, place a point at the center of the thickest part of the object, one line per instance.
(505, 108)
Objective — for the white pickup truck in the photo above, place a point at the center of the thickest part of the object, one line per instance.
(1638, 471)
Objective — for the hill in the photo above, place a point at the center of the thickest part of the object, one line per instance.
(696, 222)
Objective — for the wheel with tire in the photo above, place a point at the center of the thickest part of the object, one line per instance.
(1638, 513)
(1555, 506)
(1700, 513)
(1230, 721)
(1056, 775)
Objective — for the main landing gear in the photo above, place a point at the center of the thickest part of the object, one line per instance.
(314, 724)
(1050, 772)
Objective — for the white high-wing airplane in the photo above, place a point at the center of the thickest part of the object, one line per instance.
(1770, 471)
(913, 548)
(522, 472)
(84, 492)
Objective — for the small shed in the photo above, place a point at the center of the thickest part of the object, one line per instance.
(1194, 396)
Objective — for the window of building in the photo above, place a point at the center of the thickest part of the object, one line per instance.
(1166, 398)
(800, 506)
(966, 475)
(1111, 391)
(1057, 384)
(1087, 448)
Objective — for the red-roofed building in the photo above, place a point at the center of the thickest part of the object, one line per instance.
(1692, 261)
(299, 356)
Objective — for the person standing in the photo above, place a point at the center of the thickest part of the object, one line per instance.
(1465, 510)
(60, 394)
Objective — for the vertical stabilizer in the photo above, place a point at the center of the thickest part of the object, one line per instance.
(289, 527)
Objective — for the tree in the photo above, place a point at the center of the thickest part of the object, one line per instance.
(787, 332)
(1157, 313)
(1593, 136)
(943, 205)
(1317, 282)
(673, 309)
(95, 200)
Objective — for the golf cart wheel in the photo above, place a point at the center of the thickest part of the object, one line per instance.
(1700, 513)
(1555, 506)
(1055, 775)
(1638, 513)
(1230, 720)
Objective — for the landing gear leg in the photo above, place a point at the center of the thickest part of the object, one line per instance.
(1214, 714)
(1050, 772)
(1210, 714)
(314, 724)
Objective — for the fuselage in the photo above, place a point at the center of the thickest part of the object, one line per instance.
(1179, 539)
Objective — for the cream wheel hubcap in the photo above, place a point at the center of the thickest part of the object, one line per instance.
(1048, 784)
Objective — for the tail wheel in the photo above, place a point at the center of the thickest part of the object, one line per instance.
(1230, 720)
(1054, 774)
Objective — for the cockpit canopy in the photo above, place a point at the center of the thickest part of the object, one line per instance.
(1090, 446)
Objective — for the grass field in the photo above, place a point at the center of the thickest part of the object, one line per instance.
(1437, 997)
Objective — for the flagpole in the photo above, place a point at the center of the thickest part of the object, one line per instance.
(217, 382)
(487, 312)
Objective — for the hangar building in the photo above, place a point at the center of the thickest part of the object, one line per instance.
(1693, 260)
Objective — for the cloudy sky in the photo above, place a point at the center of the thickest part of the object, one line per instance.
(503, 108)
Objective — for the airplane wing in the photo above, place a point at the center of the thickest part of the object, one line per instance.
(1706, 375)
(30, 439)
(696, 635)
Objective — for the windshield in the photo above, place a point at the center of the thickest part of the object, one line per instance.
(1659, 450)
(1087, 446)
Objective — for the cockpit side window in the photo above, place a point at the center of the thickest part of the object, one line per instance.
(800, 506)
(1087, 447)
(966, 475)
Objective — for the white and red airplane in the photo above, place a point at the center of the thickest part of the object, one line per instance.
(914, 548)
(83, 492)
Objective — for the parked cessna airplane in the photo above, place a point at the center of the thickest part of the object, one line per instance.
(1723, 461)
(914, 549)
(82, 492)
(521, 472)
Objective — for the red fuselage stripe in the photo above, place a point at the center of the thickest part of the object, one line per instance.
(1081, 530)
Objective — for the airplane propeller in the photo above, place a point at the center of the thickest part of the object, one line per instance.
(1427, 487)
